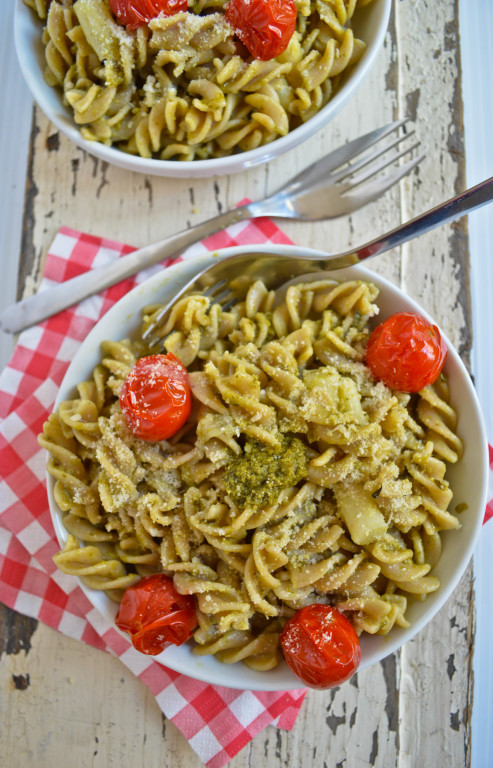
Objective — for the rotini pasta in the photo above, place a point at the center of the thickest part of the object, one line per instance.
(182, 87)
(298, 477)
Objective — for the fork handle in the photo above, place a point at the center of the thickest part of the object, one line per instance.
(452, 209)
(36, 308)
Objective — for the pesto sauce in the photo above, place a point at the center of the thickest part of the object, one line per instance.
(260, 473)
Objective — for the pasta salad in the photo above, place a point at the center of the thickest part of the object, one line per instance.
(294, 478)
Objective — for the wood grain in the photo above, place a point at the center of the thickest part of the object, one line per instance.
(59, 697)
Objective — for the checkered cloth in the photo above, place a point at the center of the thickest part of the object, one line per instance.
(217, 722)
(489, 505)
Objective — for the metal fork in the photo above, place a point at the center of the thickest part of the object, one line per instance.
(227, 280)
(343, 181)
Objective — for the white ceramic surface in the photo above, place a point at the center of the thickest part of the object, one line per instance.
(468, 478)
(370, 25)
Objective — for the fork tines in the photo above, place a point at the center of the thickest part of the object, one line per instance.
(220, 293)
(390, 153)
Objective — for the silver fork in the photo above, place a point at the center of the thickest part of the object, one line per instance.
(343, 181)
(227, 280)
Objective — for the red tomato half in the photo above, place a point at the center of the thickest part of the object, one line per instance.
(156, 615)
(156, 398)
(135, 13)
(406, 352)
(320, 646)
(264, 26)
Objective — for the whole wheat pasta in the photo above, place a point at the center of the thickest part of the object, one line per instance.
(298, 477)
(182, 87)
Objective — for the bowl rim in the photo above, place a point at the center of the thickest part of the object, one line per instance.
(165, 280)
(24, 22)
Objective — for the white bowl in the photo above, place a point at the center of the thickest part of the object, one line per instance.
(370, 25)
(468, 478)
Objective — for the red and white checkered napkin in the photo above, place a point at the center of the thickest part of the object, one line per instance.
(217, 721)
(489, 504)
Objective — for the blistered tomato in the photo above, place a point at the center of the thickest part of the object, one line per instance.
(265, 27)
(135, 13)
(320, 646)
(155, 398)
(156, 615)
(406, 352)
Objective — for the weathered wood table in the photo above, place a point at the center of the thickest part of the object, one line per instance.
(62, 702)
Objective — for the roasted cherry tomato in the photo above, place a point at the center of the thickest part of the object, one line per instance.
(406, 352)
(156, 398)
(135, 13)
(265, 27)
(320, 646)
(156, 615)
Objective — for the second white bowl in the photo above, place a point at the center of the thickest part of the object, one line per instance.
(370, 25)
(468, 478)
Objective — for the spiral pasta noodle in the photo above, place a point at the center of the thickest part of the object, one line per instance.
(298, 478)
(179, 87)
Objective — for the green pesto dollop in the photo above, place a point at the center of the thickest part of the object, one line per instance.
(261, 472)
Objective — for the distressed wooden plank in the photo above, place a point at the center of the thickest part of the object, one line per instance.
(436, 679)
(438, 261)
(436, 686)
(16, 631)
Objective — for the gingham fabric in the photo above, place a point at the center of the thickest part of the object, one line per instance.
(217, 722)
(489, 505)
